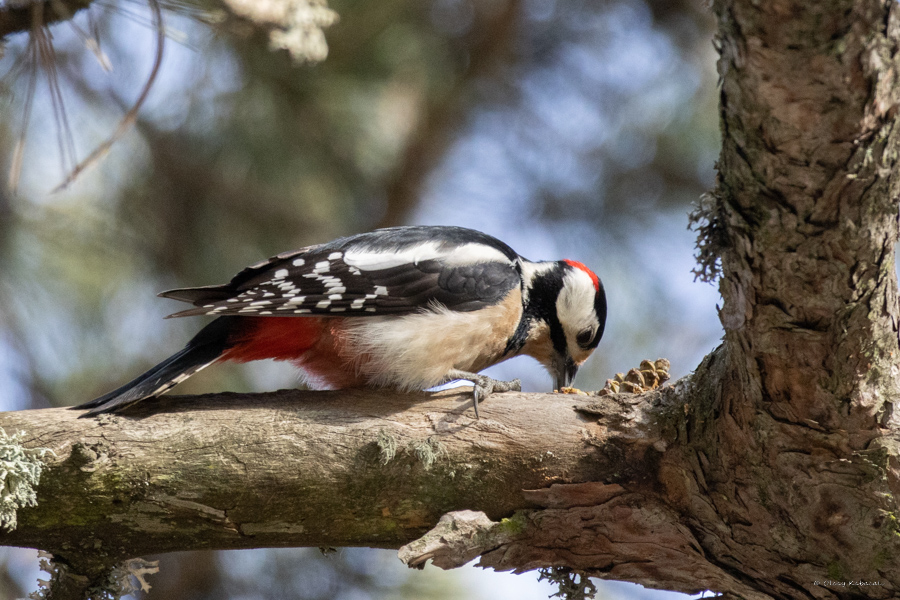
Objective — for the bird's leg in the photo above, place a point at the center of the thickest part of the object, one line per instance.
(483, 385)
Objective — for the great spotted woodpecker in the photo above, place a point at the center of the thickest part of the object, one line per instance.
(406, 307)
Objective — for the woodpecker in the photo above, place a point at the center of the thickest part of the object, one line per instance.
(407, 308)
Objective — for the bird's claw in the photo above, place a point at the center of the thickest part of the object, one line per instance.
(484, 386)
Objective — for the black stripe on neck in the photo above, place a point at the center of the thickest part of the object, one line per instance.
(541, 306)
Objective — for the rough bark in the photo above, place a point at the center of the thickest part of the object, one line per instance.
(362, 468)
(319, 469)
(807, 206)
(593, 483)
(289, 468)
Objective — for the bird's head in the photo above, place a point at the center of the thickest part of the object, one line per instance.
(565, 313)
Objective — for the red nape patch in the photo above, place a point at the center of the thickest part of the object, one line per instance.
(281, 338)
(578, 265)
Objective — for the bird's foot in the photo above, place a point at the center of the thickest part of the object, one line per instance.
(483, 385)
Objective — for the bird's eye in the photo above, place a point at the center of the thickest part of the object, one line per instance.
(584, 337)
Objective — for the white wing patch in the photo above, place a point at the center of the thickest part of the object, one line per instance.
(349, 281)
(372, 260)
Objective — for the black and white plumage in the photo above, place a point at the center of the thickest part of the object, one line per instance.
(390, 271)
(405, 307)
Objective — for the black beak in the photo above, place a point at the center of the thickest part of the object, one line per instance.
(565, 373)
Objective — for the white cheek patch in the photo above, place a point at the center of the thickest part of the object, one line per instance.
(575, 307)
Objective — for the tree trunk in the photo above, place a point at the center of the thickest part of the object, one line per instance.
(771, 472)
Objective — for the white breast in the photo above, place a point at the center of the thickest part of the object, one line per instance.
(416, 351)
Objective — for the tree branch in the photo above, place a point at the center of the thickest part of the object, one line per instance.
(16, 19)
(809, 193)
(369, 468)
(290, 468)
(609, 488)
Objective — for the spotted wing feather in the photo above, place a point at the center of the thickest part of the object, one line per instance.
(318, 281)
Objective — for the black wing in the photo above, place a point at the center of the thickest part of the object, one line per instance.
(390, 271)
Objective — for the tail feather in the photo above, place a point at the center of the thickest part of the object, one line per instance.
(203, 350)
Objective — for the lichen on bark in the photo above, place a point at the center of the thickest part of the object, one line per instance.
(112, 583)
(20, 474)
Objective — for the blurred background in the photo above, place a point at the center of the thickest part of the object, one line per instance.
(567, 129)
